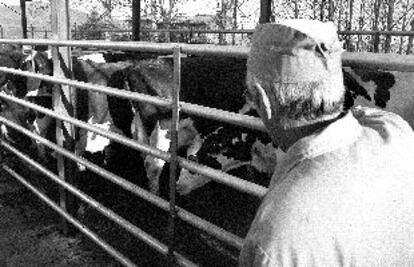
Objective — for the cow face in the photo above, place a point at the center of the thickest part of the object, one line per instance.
(160, 139)
(13, 85)
(13, 58)
(258, 158)
(39, 62)
(14, 113)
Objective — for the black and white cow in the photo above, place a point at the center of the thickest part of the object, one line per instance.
(219, 83)
(91, 107)
(214, 82)
(392, 91)
(209, 81)
(14, 85)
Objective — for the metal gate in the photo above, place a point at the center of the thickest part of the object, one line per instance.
(389, 62)
(175, 106)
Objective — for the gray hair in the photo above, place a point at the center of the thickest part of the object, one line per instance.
(301, 100)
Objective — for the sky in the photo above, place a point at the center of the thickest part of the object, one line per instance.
(10, 2)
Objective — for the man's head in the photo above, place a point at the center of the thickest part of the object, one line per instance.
(294, 74)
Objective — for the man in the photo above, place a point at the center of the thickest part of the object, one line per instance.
(344, 193)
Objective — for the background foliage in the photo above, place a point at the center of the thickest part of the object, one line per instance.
(98, 19)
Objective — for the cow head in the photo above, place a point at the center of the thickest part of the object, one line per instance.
(15, 113)
(12, 85)
(160, 139)
(39, 62)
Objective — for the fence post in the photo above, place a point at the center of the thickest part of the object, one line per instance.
(191, 35)
(45, 33)
(265, 11)
(32, 30)
(1, 32)
(376, 42)
(221, 41)
(410, 39)
(63, 100)
(74, 31)
(174, 153)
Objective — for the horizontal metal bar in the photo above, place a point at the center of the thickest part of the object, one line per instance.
(206, 112)
(196, 49)
(390, 62)
(387, 62)
(186, 216)
(239, 184)
(82, 228)
(393, 33)
(131, 46)
(224, 116)
(226, 31)
(191, 30)
(113, 136)
(219, 176)
(108, 213)
(93, 87)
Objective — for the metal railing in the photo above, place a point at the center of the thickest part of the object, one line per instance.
(221, 36)
(388, 62)
(230, 180)
(365, 60)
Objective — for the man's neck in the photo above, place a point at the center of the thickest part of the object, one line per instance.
(300, 129)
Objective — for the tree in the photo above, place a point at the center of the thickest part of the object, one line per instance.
(390, 20)
(94, 27)
(404, 25)
(375, 27)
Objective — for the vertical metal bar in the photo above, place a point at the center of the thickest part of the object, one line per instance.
(63, 98)
(23, 18)
(32, 32)
(1, 32)
(74, 31)
(174, 148)
(136, 19)
(265, 11)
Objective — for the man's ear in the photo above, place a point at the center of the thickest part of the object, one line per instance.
(264, 100)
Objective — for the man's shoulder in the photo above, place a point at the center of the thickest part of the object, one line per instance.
(388, 124)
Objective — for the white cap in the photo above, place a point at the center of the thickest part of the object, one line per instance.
(296, 51)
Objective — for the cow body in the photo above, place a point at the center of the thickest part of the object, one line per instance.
(392, 91)
(14, 85)
(109, 113)
(91, 107)
(209, 81)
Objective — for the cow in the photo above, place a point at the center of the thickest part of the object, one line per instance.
(219, 83)
(389, 90)
(91, 107)
(14, 85)
(249, 154)
(105, 112)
